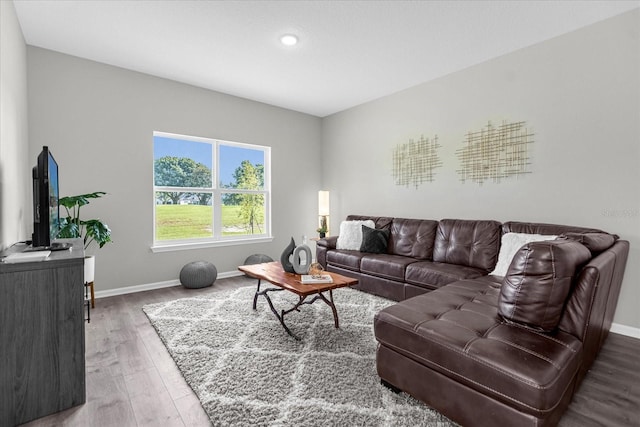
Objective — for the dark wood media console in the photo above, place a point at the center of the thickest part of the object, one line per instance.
(42, 347)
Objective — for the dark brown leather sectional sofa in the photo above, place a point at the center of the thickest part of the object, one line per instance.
(484, 349)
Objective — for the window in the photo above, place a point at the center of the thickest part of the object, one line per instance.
(209, 192)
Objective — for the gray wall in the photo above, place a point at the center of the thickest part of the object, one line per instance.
(99, 120)
(15, 188)
(580, 93)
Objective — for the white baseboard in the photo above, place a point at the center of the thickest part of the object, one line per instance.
(615, 327)
(625, 330)
(152, 286)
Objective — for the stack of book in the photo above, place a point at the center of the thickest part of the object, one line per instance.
(322, 278)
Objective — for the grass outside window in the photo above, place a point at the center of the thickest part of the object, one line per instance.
(195, 221)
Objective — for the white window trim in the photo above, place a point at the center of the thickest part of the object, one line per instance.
(217, 240)
(158, 248)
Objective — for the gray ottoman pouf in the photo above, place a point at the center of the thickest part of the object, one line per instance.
(198, 274)
(257, 259)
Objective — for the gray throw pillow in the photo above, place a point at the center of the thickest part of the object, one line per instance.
(374, 240)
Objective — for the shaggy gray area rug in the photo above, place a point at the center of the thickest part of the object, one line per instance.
(246, 370)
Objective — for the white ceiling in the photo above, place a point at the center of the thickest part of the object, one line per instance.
(349, 52)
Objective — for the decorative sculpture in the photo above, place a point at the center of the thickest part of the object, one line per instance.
(286, 255)
(298, 265)
(315, 270)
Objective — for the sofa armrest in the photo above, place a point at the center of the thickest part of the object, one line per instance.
(324, 245)
(329, 242)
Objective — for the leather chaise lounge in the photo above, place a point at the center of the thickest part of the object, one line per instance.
(485, 348)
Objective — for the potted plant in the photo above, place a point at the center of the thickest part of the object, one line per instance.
(90, 230)
(322, 231)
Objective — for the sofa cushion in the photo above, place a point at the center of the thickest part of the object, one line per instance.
(413, 238)
(595, 242)
(374, 241)
(385, 265)
(538, 282)
(543, 228)
(510, 243)
(466, 242)
(433, 275)
(349, 260)
(456, 331)
(350, 237)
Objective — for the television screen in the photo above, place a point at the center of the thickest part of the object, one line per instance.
(46, 213)
(54, 196)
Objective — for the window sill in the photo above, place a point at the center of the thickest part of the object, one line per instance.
(202, 245)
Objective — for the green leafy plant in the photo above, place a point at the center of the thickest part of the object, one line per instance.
(90, 230)
(324, 227)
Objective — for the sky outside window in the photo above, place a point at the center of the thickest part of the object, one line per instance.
(231, 158)
(201, 152)
(198, 151)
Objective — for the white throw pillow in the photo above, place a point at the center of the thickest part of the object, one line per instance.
(510, 244)
(350, 237)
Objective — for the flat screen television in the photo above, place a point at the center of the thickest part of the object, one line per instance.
(46, 212)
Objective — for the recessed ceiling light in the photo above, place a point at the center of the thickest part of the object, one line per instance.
(289, 40)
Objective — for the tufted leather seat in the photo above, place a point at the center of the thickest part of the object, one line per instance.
(433, 275)
(386, 266)
(348, 260)
(456, 330)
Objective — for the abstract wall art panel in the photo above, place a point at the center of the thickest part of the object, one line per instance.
(415, 162)
(495, 153)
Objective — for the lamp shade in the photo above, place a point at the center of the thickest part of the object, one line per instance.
(323, 202)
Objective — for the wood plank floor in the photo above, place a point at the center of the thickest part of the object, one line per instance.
(132, 380)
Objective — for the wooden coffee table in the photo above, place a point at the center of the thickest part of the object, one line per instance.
(273, 273)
